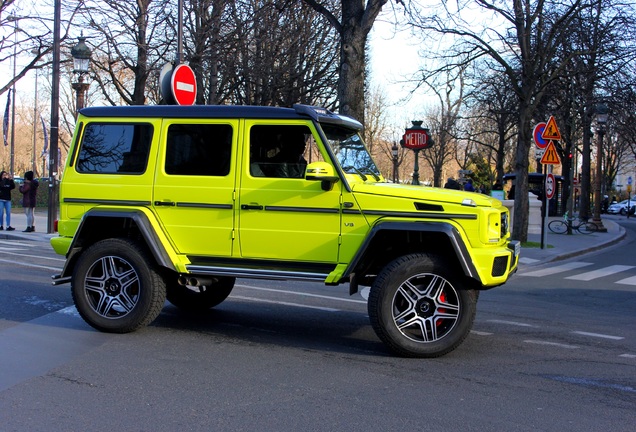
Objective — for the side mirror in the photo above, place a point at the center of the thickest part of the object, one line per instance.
(323, 172)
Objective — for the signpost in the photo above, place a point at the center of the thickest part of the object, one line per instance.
(544, 136)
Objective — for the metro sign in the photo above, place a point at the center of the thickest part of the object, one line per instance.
(416, 138)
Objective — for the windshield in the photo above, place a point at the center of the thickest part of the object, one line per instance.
(350, 151)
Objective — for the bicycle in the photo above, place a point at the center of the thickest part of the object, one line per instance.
(580, 225)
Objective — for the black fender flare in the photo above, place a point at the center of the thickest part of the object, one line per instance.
(445, 228)
(94, 226)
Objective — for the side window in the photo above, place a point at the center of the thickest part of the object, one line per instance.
(199, 149)
(281, 151)
(115, 148)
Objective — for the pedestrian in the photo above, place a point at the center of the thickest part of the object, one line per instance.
(29, 190)
(469, 186)
(6, 186)
(451, 183)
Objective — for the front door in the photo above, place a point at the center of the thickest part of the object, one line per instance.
(282, 216)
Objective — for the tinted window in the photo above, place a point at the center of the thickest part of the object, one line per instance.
(202, 149)
(280, 151)
(112, 148)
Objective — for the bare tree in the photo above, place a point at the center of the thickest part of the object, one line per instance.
(353, 22)
(523, 48)
(277, 53)
(131, 41)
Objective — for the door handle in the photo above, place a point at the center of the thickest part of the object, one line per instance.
(251, 207)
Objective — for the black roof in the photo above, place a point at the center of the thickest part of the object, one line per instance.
(221, 111)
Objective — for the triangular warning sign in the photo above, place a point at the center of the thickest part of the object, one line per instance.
(550, 157)
(551, 131)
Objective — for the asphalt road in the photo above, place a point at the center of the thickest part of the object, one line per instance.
(551, 351)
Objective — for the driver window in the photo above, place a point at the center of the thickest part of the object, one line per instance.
(281, 151)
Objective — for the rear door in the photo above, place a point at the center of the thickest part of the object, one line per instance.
(194, 185)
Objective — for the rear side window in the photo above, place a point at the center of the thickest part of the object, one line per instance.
(199, 149)
(115, 148)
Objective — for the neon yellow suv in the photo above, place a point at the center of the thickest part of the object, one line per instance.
(176, 202)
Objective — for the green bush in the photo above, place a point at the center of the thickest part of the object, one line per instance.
(42, 196)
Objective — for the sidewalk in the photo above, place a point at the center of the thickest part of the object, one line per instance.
(563, 246)
(558, 246)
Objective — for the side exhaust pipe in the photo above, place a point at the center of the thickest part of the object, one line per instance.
(196, 281)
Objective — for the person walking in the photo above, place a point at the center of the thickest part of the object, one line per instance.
(6, 186)
(29, 190)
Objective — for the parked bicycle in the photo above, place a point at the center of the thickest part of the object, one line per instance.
(578, 224)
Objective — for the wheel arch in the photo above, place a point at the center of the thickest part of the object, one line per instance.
(395, 239)
(101, 224)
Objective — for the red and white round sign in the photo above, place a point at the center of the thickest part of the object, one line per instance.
(183, 85)
(550, 186)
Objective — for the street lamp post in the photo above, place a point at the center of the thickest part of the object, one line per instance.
(601, 120)
(394, 152)
(81, 60)
(12, 93)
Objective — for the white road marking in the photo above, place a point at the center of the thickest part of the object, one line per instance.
(555, 344)
(598, 335)
(56, 269)
(284, 303)
(631, 356)
(556, 269)
(302, 294)
(595, 274)
(627, 281)
(513, 323)
(524, 260)
(481, 333)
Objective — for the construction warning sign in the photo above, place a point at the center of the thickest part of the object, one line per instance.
(550, 157)
(551, 131)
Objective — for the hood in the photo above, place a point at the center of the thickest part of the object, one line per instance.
(429, 194)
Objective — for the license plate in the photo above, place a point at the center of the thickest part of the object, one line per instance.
(515, 245)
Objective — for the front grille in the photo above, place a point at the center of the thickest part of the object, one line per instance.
(499, 266)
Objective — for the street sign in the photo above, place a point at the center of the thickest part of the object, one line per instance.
(550, 186)
(536, 134)
(184, 85)
(551, 157)
(416, 139)
(551, 131)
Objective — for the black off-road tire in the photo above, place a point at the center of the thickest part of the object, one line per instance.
(419, 306)
(116, 286)
(195, 300)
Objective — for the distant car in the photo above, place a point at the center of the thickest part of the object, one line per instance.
(621, 207)
(18, 180)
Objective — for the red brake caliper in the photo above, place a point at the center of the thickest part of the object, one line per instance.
(442, 299)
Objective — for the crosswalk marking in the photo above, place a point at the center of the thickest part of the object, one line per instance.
(627, 281)
(556, 269)
(595, 274)
(584, 276)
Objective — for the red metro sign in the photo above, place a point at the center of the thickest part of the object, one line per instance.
(416, 137)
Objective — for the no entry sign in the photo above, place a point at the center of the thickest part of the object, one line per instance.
(183, 85)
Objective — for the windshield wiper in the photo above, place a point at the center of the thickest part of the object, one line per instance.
(370, 171)
(351, 167)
